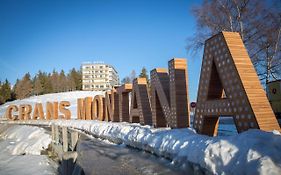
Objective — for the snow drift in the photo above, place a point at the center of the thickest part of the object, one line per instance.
(252, 152)
(20, 148)
(25, 140)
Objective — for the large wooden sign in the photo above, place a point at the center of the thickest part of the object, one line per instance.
(229, 86)
(227, 68)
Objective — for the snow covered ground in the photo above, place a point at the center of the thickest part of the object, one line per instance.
(20, 148)
(252, 152)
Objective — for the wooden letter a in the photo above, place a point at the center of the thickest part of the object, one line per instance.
(140, 105)
(227, 67)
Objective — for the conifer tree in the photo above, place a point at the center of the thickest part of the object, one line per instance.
(143, 73)
(24, 87)
(6, 91)
(1, 95)
(55, 81)
(38, 87)
(126, 80)
(63, 85)
(75, 79)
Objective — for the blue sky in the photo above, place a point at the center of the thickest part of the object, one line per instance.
(54, 34)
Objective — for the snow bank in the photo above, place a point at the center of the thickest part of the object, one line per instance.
(25, 165)
(64, 96)
(24, 140)
(252, 152)
(20, 148)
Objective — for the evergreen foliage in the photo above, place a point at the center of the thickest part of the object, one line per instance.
(41, 83)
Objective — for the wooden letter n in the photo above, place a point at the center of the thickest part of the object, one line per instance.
(111, 106)
(169, 95)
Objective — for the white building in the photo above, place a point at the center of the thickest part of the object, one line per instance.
(98, 76)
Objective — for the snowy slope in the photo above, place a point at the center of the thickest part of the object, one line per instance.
(64, 96)
(20, 148)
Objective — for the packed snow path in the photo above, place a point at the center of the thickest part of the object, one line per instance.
(102, 157)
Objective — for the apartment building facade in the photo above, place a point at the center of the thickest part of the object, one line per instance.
(98, 76)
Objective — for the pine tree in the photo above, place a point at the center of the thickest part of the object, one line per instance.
(126, 80)
(55, 81)
(71, 79)
(64, 84)
(45, 81)
(14, 95)
(78, 81)
(75, 79)
(143, 73)
(6, 91)
(1, 95)
(24, 87)
(38, 87)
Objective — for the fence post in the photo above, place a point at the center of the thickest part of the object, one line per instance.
(74, 139)
(64, 139)
(57, 139)
(53, 133)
